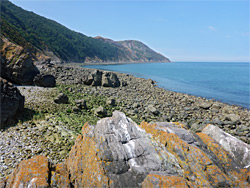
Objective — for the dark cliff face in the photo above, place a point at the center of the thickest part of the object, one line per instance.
(118, 153)
(54, 40)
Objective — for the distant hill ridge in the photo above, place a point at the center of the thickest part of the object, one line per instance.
(40, 34)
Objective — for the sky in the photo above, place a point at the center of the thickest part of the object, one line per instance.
(182, 30)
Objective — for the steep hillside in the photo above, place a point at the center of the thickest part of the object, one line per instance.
(41, 34)
(136, 51)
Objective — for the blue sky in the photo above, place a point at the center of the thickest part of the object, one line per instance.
(182, 30)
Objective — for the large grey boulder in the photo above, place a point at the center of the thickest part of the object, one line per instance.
(129, 151)
(239, 150)
(110, 79)
(45, 80)
(100, 78)
(12, 103)
(93, 78)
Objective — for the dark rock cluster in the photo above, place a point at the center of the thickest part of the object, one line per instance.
(12, 103)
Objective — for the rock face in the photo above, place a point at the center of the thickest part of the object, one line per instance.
(16, 63)
(45, 80)
(12, 103)
(118, 153)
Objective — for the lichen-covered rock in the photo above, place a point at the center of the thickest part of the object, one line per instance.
(33, 172)
(16, 63)
(12, 103)
(84, 165)
(118, 153)
(162, 181)
(203, 167)
(239, 150)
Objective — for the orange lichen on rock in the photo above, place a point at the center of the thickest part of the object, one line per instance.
(155, 180)
(60, 176)
(193, 160)
(30, 173)
(240, 176)
(83, 164)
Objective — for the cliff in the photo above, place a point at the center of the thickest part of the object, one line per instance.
(117, 152)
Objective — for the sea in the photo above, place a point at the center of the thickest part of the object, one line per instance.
(227, 82)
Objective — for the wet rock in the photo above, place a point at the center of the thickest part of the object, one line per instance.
(61, 99)
(100, 112)
(45, 80)
(12, 103)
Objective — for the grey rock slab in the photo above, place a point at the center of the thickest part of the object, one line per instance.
(120, 140)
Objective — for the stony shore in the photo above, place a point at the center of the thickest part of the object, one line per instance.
(50, 129)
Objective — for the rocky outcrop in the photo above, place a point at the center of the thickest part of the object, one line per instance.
(12, 103)
(16, 63)
(100, 78)
(45, 80)
(118, 153)
(110, 79)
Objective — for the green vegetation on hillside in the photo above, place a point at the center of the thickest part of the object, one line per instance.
(21, 26)
(35, 32)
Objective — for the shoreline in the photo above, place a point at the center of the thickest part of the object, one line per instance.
(82, 66)
(108, 63)
(53, 127)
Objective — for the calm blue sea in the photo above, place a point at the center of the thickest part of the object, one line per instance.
(224, 81)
